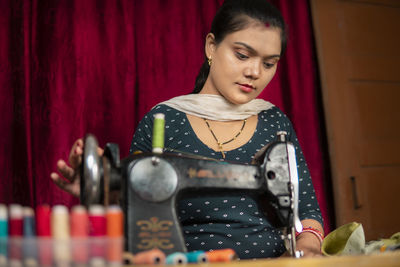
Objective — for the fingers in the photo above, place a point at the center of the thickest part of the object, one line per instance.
(66, 171)
(72, 188)
(75, 156)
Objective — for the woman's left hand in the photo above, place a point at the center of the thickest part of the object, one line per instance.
(309, 244)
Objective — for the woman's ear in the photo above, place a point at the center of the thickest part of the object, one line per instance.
(210, 45)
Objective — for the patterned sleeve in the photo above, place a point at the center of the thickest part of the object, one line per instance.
(141, 140)
(308, 204)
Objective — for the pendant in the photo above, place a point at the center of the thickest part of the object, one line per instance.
(221, 150)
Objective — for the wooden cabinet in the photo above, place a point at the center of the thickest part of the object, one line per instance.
(358, 46)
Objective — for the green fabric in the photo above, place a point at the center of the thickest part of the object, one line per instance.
(349, 239)
(346, 240)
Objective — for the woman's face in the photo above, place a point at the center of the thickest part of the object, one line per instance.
(243, 63)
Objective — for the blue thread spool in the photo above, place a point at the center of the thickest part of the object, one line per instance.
(29, 222)
(3, 221)
(29, 245)
(3, 234)
(176, 258)
(197, 257)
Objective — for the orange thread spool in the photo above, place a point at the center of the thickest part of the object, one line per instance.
(115, 221)
(154, 256)
(115, 233)
(221, 255)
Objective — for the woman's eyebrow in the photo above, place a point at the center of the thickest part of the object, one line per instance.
(253, 51)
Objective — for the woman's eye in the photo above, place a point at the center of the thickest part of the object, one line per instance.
(268, 65)
(241, 56)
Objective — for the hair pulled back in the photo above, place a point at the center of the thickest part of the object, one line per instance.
(234, 16)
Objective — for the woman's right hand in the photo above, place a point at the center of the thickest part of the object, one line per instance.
(68, 178)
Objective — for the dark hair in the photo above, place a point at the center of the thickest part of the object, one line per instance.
(234, 16)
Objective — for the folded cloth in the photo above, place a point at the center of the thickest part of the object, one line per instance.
(349, 239)
(382, 245)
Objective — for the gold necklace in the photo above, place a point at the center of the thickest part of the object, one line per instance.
(224, 143)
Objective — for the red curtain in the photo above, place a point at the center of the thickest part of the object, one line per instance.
(71, 67)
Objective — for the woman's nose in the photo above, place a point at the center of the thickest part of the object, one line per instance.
(253, 70)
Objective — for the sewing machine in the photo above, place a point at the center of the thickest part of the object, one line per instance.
(148, 186)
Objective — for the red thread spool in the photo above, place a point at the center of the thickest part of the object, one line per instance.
(97, 219)
(16, 220)
(43, 231)
(43, 214)
(98, 230)
(15, 232)
(221, 255)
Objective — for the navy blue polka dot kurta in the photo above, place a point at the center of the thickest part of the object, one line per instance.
(231, 221)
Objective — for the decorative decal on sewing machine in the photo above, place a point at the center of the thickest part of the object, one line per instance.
(155, 234)
(216, 173)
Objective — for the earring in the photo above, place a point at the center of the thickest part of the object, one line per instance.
(209, 61)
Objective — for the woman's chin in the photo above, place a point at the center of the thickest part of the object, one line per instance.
(240, 100)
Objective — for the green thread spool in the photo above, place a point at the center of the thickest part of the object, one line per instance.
(158, 133)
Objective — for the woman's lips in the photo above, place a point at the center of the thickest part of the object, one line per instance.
(246, 88)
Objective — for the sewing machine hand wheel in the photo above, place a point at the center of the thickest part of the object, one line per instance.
(91, 173)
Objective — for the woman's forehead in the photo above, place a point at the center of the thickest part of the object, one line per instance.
(264, 40)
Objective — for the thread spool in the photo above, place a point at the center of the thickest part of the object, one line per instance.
(153, 256)
(158, 133)
(16, 220)
(115, 233)
(43, 220)
(197, 257)
(28, 222)
(221, 255)
(61, 232)
(29, 251)
(115, 221)
(3, 221)
(15, 228)
(98, 230)
(97, 221)
(15, 251)
(43, 232)
(176, 258)
(79, 223)
(3, 234)
(29, 245)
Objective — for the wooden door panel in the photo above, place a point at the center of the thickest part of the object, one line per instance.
(373, 68)
(377, 118)
(380, 200)
(393, 3)
(358, 49)
(368, 41)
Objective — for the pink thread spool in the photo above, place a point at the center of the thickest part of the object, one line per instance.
(79, 233)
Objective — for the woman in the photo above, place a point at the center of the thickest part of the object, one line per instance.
(222, 119)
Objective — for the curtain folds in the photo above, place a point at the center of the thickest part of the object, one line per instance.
(71, 67)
